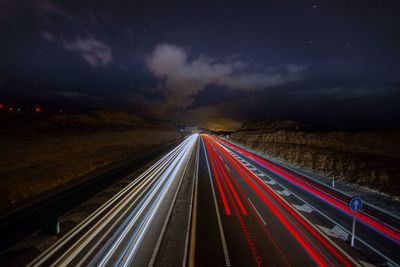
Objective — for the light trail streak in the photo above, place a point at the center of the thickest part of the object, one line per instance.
(244, 228)
(226, 181)
(132, 210)
(218, 181)
(252, 180)
(318, 191)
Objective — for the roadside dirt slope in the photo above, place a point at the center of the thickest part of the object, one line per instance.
(367, 158)
(38, 156)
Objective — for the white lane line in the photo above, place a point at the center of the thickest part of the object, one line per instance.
(227, 167)
(111, 228)
(367, 264)
(161, 237)
(142, 178)
(119, 206)
(221, 230)
(190, 244)
(354, 261)
(158, 194)
(259, 215)
(73, 252)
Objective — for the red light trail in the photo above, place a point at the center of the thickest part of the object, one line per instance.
(215, 159)
(255, 183)
(318, 192)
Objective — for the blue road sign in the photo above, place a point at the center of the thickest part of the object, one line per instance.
(355, 204)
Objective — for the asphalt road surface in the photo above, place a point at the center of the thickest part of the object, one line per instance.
(211, 203)
(377, 234)
(128, 229)
(251, 225)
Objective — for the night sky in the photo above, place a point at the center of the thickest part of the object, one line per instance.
(215, 64)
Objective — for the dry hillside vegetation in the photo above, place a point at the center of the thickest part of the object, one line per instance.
(367, 158)
(37, 158)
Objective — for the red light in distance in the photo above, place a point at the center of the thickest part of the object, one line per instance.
(38, 109)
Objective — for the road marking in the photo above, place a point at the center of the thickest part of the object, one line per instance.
(161, 237)
(305, 208)
(284, 192)
(259, 215)
(221, 230)
(366, 264)
(112, 203)
(317, 228)
(327, 231)
(193, 217)
(227, 167)
(271, 182)
(158, 194)
(151, 189)
(340, 233)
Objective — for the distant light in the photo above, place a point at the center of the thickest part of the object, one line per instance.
(10, 109)
(38, 109)
(1, 106)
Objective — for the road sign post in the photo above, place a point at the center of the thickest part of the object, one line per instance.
(355, 205)
(353, 232)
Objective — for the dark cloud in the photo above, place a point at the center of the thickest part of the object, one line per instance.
(215, 94)
(93, 51)
(211, 63)
(326, 107)
(184, 75)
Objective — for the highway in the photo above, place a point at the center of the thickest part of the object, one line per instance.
(377, 233)
(209, 202)
(246, 223)
(128, 229)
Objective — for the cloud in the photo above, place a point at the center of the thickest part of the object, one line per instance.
(333, 106)
(49, 36)
(183, 75)
(93, 51)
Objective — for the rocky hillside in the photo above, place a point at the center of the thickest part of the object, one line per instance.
(367, 158)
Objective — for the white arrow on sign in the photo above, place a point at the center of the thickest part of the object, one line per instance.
(356, 204)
